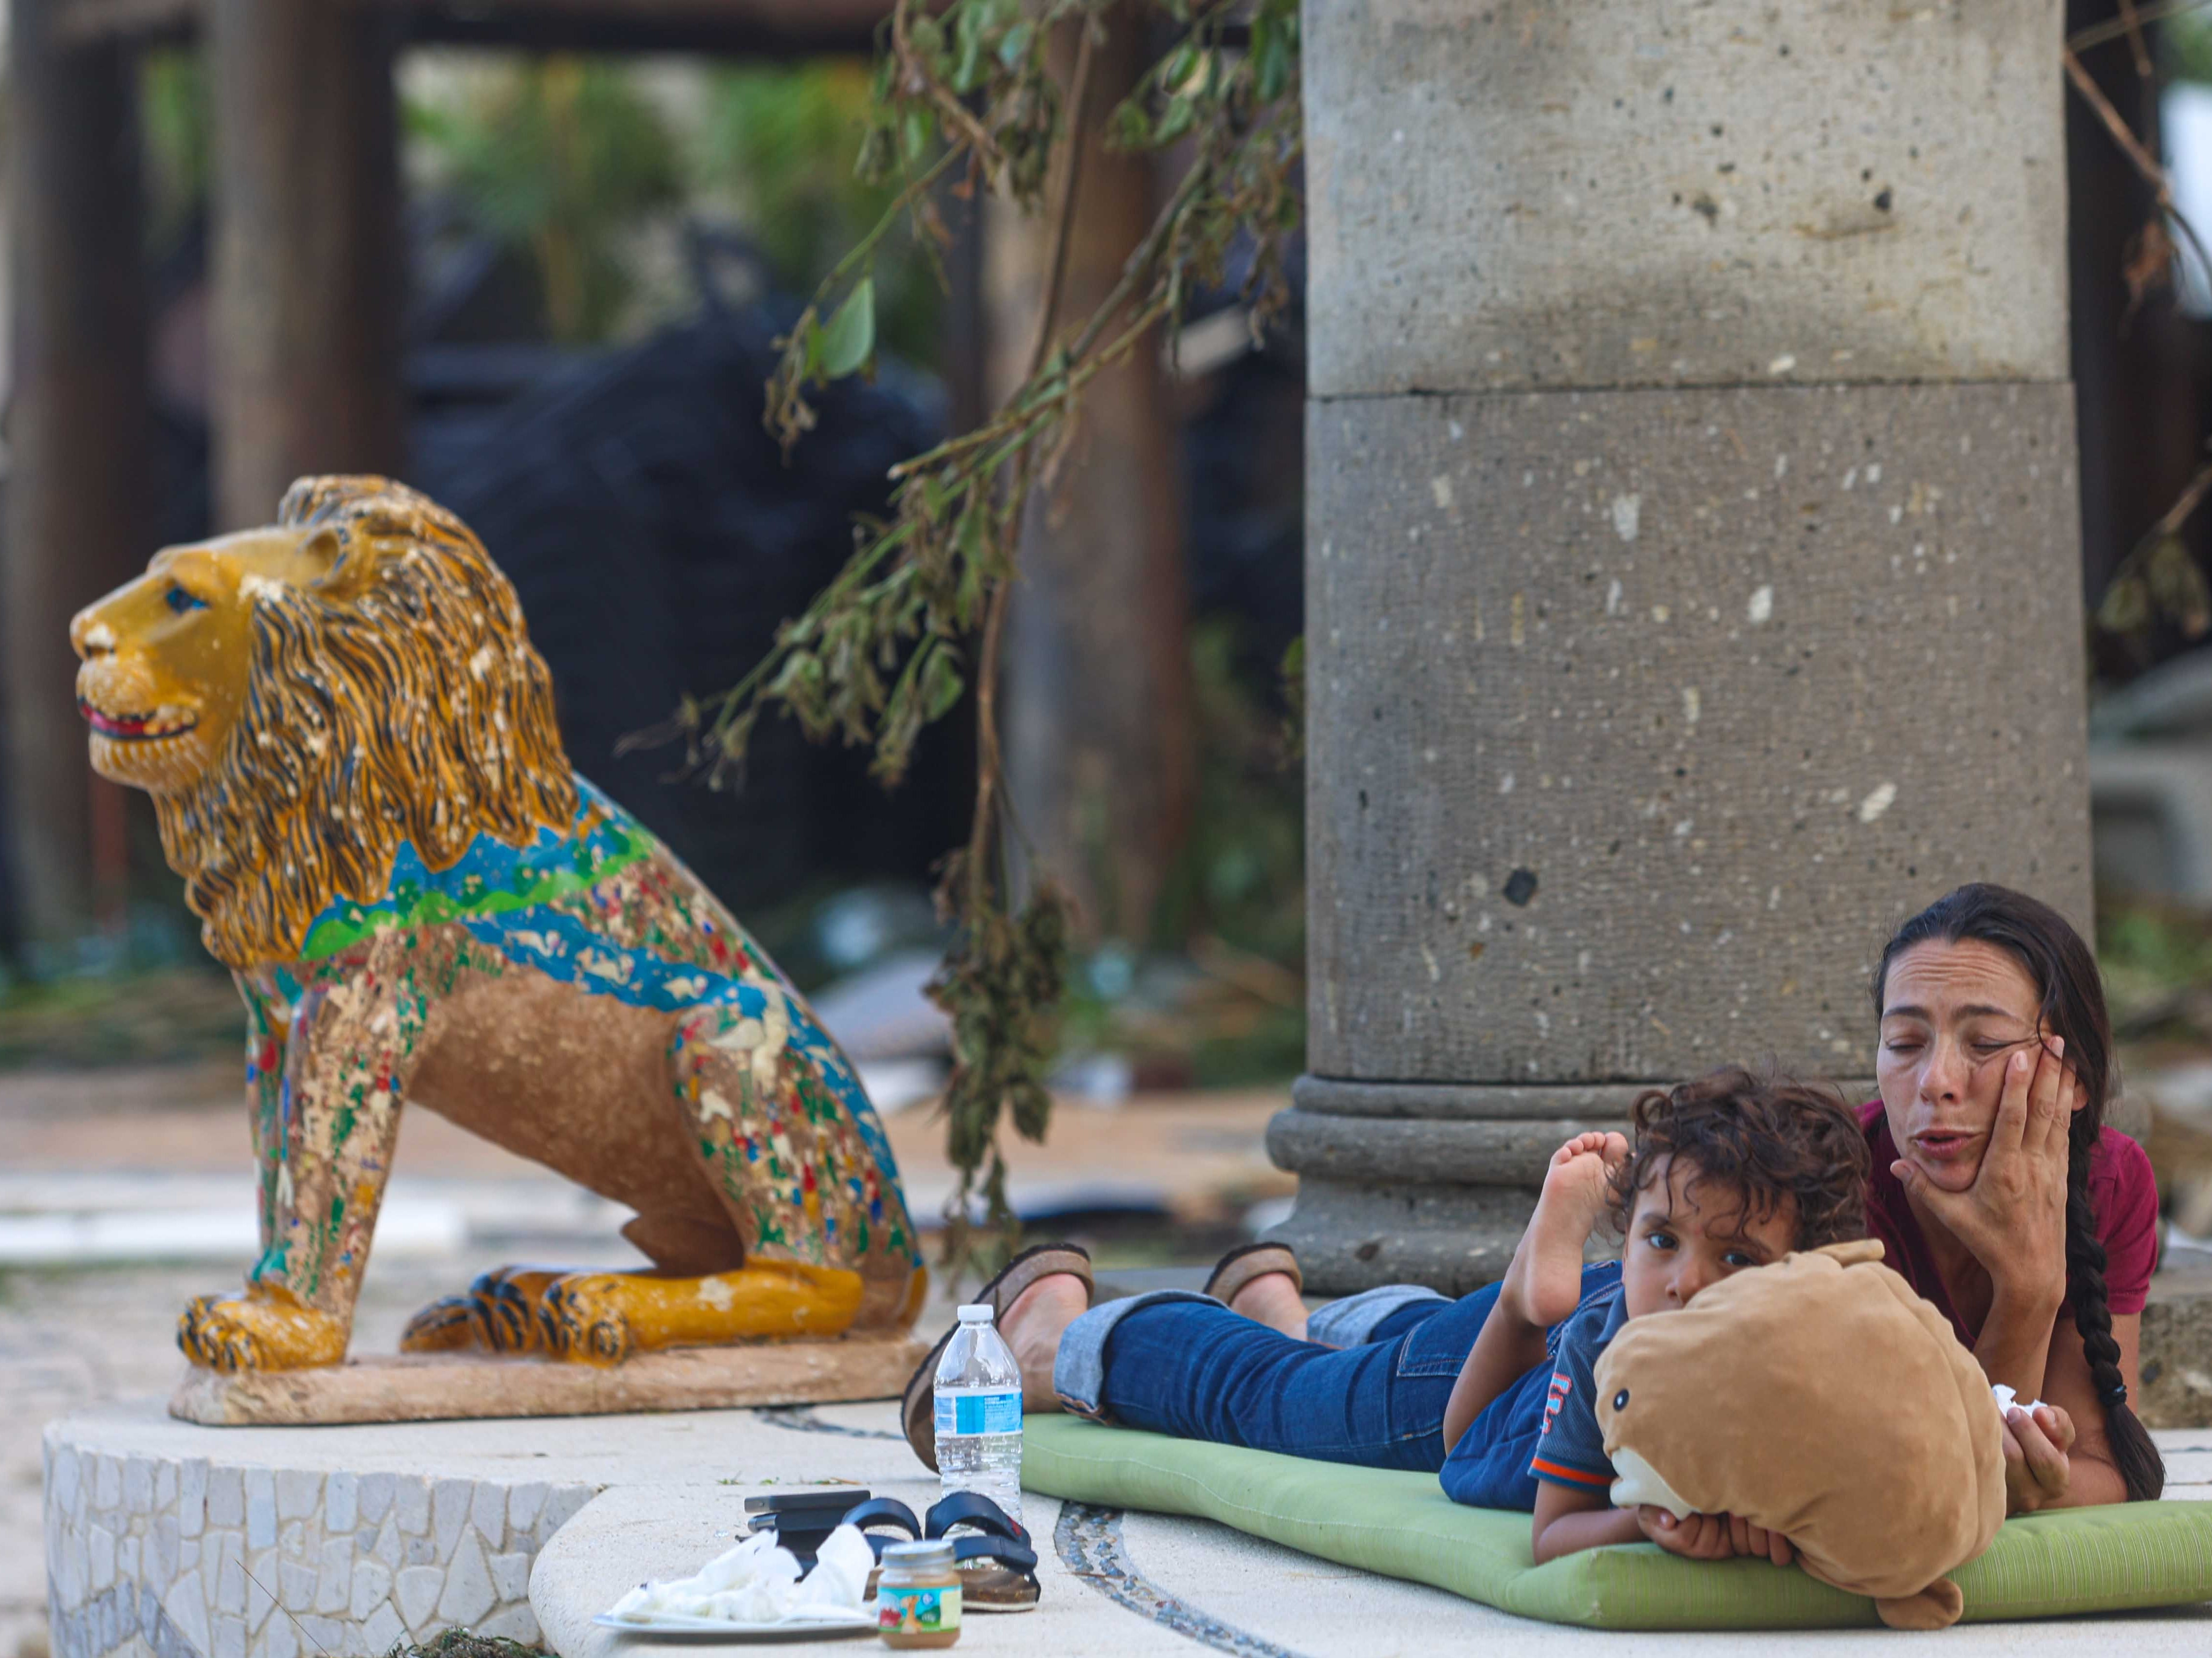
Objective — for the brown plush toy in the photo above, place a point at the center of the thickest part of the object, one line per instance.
(1820, 1398)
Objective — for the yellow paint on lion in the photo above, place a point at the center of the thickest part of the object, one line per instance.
(279, 693)
(604, 1317)
(917, 1292)
(266, 1328)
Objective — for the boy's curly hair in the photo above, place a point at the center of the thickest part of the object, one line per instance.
(1769, 1137)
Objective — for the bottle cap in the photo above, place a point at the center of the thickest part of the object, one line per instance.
(921, 1555)
(977, 1312)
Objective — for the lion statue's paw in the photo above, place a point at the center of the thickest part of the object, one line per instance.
(267, 1329)
(501, 1312)
(448, 1325)
(582, 1317)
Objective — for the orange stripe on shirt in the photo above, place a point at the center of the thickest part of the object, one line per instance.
(1574, 1476)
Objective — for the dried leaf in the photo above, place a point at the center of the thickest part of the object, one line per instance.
(2125, 607)
(2148, 265)
(2178, 586)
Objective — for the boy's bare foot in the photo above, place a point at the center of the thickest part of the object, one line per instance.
(1033, 1326)
(1544, 1283)
(1273, 1300)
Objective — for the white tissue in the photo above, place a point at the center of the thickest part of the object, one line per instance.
(758, 1582)
(2007, 1398)
(840, 1578)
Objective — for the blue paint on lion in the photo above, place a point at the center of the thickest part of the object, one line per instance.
(488, 892)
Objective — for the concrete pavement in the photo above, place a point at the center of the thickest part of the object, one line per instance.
(1137, 1584)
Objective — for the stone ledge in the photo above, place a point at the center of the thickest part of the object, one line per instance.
(2176, 1351)
(1428, 1151)
(435, 1387)
(169, 1539)
(1354, 1096)
(233, 1547)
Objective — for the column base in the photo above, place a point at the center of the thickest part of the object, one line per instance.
(1354, 1235)
(1429, 1182)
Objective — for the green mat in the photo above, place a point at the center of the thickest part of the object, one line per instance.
(2044, 1565)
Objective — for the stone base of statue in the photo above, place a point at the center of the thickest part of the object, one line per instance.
(441, 1387)
(165, 1539)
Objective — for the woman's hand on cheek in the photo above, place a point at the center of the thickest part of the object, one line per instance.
(2013, 1217)
(2037, 1472)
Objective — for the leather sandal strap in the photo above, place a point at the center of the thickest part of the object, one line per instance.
(883, 1512)
(974, 1509)
(1251, 1261)
(1005, 1550)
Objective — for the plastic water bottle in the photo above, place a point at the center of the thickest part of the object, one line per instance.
(979, 1414)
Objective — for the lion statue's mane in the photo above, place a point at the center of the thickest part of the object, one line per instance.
(395, 699)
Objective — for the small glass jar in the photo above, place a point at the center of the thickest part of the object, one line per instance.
(918, 1596)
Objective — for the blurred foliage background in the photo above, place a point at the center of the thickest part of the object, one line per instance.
(588, 167)
(591, 176)
(587, 170)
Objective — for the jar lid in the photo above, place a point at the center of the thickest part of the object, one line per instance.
(924, 1555)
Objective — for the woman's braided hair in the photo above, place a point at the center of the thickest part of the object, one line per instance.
(2073, 1007)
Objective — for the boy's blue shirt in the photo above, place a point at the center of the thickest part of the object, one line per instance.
(1570, 1450)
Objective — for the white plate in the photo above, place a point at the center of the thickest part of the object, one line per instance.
(828, 1624)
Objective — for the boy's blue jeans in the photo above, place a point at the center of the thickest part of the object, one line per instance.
(1179, 1363)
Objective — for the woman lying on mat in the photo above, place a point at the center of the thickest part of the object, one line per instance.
(2000, 1195)
(1495, 1391)
(1994, 1188)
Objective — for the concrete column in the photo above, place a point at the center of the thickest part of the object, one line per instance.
(1692, 562)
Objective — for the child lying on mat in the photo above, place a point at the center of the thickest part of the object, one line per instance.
(1492, 1391)
(1728, 1172)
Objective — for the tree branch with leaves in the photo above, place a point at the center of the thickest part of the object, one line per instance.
(918, 614)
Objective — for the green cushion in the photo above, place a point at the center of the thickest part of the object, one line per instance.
(2081, 1560)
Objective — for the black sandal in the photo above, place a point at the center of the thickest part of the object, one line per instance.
(917, 1408)
(1007, 1581)
(975, 1509)
(883, 1512)
(997, 1558)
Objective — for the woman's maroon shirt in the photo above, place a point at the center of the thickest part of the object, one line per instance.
(2122, 1192)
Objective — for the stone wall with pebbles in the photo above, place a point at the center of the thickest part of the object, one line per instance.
(163, 1555)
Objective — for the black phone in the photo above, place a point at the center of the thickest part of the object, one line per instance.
(839, 1497)
(802, 1521)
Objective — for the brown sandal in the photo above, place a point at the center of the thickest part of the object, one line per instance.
(917, 1408)
(1248, 1263)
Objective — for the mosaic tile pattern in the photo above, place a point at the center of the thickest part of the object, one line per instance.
(154, 1557)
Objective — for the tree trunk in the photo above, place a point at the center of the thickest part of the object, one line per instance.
(1098, 724)
(78, 433)
(309, 261)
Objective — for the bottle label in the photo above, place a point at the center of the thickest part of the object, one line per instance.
(959, 1414)
(917, 1611)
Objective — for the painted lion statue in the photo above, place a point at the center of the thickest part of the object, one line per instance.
(353, 755)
